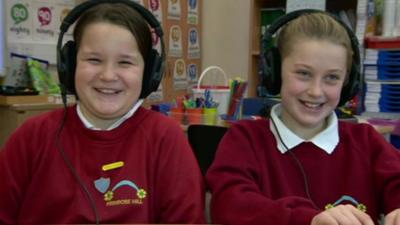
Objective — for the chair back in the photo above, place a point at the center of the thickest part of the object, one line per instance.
(204, 140)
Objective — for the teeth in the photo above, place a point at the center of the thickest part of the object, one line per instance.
(311, 105)
(107, 91)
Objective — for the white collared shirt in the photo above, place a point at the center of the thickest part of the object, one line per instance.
(115, 124)
(326, 140)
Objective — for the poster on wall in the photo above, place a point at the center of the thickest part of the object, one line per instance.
(180, 80)
(61, 11)
(175, 41)
(156, 41)
(44, 22)
(19, 21)
(292, 5)
(193, 13)
(174, 9)
(156, 9)
(32, 27)
(192, 72)
(156, 96)
(193, 43)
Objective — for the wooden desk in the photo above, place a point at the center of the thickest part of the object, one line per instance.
(14, 110)
(12, 116)
(381, 128)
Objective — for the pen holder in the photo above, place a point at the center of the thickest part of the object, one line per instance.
(194, 115)
(177, 114)
(220, 93)
(210, 116)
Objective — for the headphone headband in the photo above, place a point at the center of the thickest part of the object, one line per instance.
(271, 62)
(283, 20)
(78, 10)
(76, 13)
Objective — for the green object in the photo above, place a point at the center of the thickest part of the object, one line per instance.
(41, 78)
(210, 116)
(268, 16)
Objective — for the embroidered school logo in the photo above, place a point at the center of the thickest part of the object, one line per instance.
(349, 199)
(102, 185)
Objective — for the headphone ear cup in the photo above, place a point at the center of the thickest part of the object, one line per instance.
(272, 71)
(152, 74)
(352, 87)
(66, 68)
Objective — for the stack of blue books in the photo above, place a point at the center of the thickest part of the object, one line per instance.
(382, 78)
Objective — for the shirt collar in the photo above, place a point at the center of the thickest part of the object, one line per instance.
(326, 140)
(115, 124)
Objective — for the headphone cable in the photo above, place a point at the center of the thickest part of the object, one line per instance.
(299, 165)
(68, 161)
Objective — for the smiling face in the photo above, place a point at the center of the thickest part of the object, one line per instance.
(312, 78)
(109, 72)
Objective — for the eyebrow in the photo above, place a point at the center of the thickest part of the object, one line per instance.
(309, 67)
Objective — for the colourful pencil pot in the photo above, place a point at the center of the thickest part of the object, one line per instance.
(177, 114)
(194, 116)
(210, 116)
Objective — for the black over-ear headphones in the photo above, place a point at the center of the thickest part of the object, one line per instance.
(66, 55)
(271, 58)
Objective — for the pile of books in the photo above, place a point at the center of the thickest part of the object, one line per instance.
(382, 77)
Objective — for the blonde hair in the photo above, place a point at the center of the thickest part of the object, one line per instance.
(315, 26)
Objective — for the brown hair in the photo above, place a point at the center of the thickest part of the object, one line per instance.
(121, 15)
(315, 26)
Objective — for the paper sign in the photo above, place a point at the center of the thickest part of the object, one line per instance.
(193, 44)
(180, 81)
(19, 21)
(156, 9)
(292, 5)
(193, 15)
(175, 41)
(44, 22)
(174, 9)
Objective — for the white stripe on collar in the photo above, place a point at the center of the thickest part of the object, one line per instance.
(327, 139)
(115, 124)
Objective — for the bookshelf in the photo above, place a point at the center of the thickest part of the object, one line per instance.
(255, 36)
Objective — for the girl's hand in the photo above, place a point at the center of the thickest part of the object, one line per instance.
(393, 217)
(342, 215)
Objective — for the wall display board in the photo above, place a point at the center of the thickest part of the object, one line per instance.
(180, 20)
(32, 26)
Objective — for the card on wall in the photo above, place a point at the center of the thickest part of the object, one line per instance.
(174, 9)
(192, 72)
(180, 79)
(156, 95)
(44, 22)
(193, 43)
(32, 27)
(156, 8)
(175, 42)
(19, 21)
(193, 14)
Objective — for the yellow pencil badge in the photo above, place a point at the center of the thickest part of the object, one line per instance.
(112, 166)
